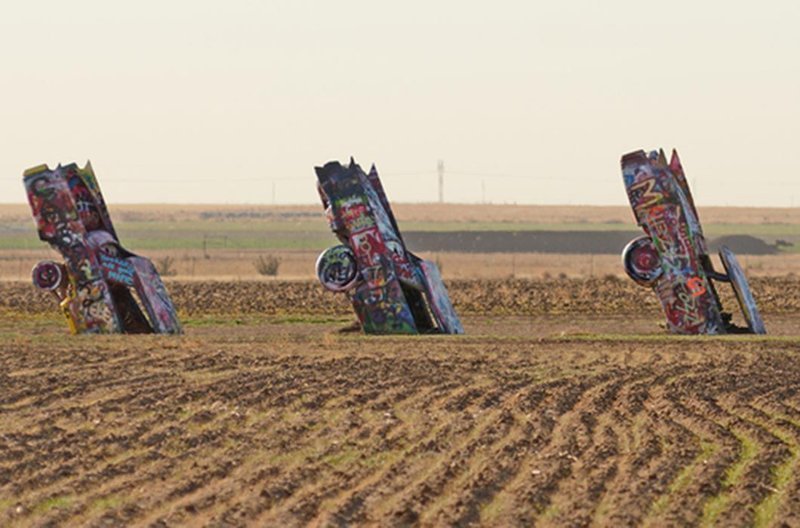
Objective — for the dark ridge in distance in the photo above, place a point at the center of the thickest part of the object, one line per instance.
(570, 242)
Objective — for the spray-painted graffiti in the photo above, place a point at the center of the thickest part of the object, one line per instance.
(393, 290)
(98, 284)
(672, 257)
(337, 268)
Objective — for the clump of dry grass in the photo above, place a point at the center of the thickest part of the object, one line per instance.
(267, 265)
(166, 266)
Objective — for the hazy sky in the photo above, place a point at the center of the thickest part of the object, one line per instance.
(220, 101)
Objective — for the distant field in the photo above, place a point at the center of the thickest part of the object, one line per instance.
(182, 227)
(207, 241)
(534, 214)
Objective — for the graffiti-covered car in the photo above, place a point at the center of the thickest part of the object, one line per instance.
(392, 290)
(672, 257)
(101, 287)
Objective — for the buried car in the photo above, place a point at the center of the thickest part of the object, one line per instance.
(672, 257)
(101, 287)
(392, 290)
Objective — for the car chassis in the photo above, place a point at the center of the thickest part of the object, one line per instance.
(101, 287)
(392, 290)
(672, 257)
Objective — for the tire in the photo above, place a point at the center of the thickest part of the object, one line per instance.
(47, 275)
(641, 261)
(337, 269)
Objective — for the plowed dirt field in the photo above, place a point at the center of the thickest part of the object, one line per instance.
(608, 296)
(564, 405)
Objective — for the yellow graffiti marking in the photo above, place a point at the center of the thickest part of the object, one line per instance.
(649, 196)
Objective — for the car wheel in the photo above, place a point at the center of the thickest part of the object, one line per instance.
(48, 275)
(337, 270)
(641, 261)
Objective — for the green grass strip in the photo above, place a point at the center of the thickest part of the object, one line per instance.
(682, 479)
(782, 475)
(748, 450)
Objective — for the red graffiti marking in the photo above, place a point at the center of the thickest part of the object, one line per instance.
(696, 286)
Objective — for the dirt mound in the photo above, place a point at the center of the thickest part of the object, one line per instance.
(607, 296)
(743, 245)
(563, 242)
(569, 242)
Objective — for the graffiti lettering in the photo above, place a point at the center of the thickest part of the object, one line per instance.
(648, 197)
(117, 269)
(70, 214)
(362, 219)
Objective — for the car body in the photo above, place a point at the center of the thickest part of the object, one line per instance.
(672, 257)
(392, 290)
(101, 287)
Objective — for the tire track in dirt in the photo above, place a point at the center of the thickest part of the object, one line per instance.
(457, 405)
(782, 503)
(349, 431)
(667, 439)
(378, 404)
(788, 433)
(482, 475)
(579, 499)
(480, 492)
(571, 473)
(455, 402)
(354, 506)
(720, 453)
(461, 468)
(604, 476)
(757, 453)
(702, 462)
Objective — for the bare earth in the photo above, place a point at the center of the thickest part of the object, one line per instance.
(565, 404)
(558, 408)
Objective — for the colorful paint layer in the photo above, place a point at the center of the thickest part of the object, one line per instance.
(672, 257)
(101, 287)
(394, 291)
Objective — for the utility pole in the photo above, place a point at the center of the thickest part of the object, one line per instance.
(440, 169)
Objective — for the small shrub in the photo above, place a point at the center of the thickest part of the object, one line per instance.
(166, 267)
(267, 265)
